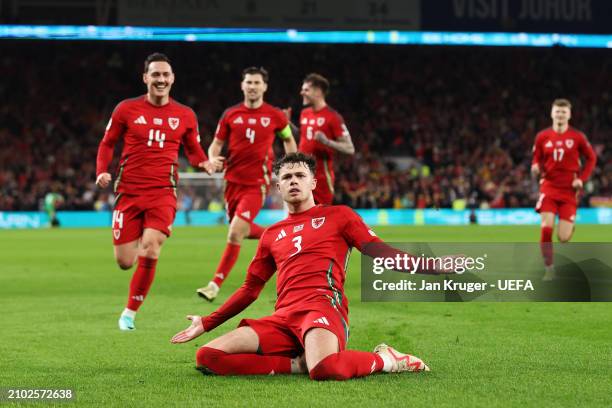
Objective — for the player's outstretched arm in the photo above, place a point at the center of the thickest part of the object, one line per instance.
(344, 144)
(194, 330)
(214, 153)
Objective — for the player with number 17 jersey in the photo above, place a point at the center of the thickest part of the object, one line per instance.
(558, 157)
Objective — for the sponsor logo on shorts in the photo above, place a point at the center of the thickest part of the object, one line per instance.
(116, 233)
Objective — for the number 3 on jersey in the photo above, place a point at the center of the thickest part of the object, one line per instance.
(297, 243)
(250, 134)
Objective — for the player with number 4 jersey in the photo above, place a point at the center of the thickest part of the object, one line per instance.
(153, 127)
(557, 154)
(249, 129)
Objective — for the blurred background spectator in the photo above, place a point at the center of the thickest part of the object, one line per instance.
(428, 132)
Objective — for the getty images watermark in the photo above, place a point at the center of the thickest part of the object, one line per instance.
(486, 272)
(439, 264)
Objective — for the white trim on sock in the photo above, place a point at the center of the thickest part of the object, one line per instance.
(129, 313)
(387, 363)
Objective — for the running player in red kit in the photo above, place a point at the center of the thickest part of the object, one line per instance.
(557, 160)
(249, 128)
(153, 127)
(309, 328)
(322, 133)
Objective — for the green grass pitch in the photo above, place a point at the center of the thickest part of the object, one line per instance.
(61, 295)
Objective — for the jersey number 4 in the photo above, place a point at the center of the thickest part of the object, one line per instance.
(250, 134)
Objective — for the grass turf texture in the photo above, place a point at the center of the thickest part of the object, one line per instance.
(61, 295)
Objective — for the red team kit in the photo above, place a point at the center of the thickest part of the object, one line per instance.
(148, 169)
(332, 125)
(558, 156)
(250, 156)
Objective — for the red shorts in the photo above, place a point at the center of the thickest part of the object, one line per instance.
(243, 200)
(283, 332)
(564, 205)
(133, 213)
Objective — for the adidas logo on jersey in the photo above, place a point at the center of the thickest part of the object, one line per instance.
(321, 320)
(238, 120)
(549, 144)
(141, 120)
(281, 235)
(246, 214)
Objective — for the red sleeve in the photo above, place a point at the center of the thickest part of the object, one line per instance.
(114, 130)
(281, 120)
(537, 151)
(260, 270)
(338, 127)
(355, 231)
(591, 158)
(191, 141)
(358, 235)
(222, 128)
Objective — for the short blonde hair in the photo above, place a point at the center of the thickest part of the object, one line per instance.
(562, 103)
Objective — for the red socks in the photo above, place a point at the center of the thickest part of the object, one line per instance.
(347, 364)
(546, 246)
(339, 366)
(256, 231)
(230, 255)
(141, 282)
(221, 363)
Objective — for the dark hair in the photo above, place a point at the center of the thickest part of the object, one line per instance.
(295, 158)
(156, 56)
(562, 103)
(318, 81)
(254, 71)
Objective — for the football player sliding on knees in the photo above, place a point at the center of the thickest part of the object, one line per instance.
(249, 128)
(557, 155)
(309, 328)
(153, 126)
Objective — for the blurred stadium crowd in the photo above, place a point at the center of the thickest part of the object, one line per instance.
(432, 126)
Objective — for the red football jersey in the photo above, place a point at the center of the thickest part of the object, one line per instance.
(558, 156)
(332, 125)
(310, 251)
(251, 135)
(152, 136)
